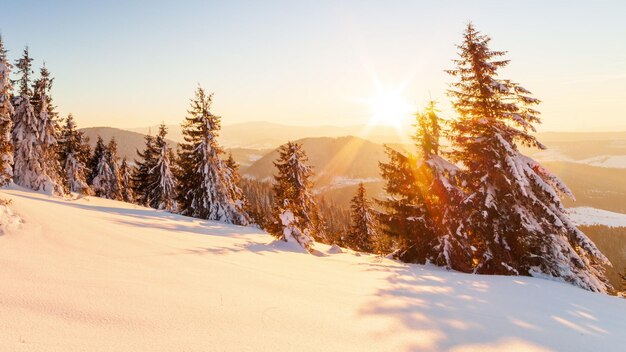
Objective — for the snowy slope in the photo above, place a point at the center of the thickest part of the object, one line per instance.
(99, 275)
(593, 216)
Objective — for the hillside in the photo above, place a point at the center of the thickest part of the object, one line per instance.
(340, 163)
(264, 135)
(101, 275)
(336, 161)
(127, 142)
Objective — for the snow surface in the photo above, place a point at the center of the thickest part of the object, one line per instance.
(100, 275)
(606, 161)
(593, 216)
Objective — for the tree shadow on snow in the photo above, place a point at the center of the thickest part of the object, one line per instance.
(434, 309)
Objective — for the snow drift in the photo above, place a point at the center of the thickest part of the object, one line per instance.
(100, 275)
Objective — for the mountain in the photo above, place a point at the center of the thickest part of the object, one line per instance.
(128, 142)
(589, 163)
(593, 186)
(246, 156)
(101, 275)
(336, 161)
(602, 149)
(341, 163)
(264, 135)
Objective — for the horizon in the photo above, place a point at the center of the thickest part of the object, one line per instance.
(337, 62)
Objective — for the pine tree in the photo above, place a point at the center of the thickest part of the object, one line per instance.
(142, 176)
(108, 181)
(162, 189)
(260, 197)
(296, 216)
(423, 203)
(517, 222)
(6, 122)
(73, 153)
(48, 129)
(362, 235)
(128, 195)
(94, 161)
(32, 141)
(206, 187)
(336, 221)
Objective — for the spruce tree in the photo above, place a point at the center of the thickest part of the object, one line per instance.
(260, 198)
(94, 161)
(517, 221)
(32, 140)
(422, 209)
(73, 149)
(108, 181)
(206, 187)
(296, 216)
(6, 122)
(162, 188)
(128, 195)
(48, 130)
(142, 176)
(362, 235)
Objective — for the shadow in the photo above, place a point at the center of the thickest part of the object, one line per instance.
(152, 218)
(137, 216)
(431, 308)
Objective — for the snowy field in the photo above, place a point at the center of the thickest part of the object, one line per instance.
(100, 275)
(593, 216)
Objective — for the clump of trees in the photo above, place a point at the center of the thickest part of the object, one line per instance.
(478, 206)
(501, 211)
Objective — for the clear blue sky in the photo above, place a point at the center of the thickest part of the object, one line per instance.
(136, 63)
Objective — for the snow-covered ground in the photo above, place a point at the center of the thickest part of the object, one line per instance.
(593, 216)
(610, 161)
(100, 275)
(607, 161)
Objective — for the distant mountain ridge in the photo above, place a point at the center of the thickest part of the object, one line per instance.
(264, 135)
(128, 142)
(341, 162)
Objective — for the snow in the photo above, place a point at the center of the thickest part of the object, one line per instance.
(593, 216)
(101, 275)
(606, 161)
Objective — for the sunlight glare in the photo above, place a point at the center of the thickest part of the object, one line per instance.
(389, 108)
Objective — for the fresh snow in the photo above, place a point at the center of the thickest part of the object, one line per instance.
(606, 161)
(593, 216)
(99, 275)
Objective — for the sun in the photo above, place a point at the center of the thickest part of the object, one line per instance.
(389, 108)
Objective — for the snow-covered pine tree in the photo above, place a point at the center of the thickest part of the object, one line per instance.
(363, 234)
(6, 122)
(73, 154)
(296, 216)
(94, 161)
(162, 192)
(206, 188)
(29, 135)
(517, 221)
(422, 206)
(48, 130)
(127, 182)
(108, 182)
(142, 176)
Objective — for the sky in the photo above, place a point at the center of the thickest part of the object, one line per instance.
(137, 63)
